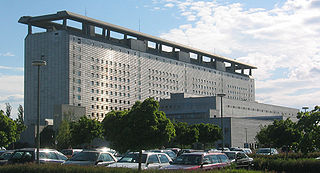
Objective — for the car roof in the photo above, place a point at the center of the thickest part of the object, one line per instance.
(34, 149)
(202, 153)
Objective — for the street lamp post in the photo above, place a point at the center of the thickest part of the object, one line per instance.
(38, 63)
(221, 119)
(305, 108)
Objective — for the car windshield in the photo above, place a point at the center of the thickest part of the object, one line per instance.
(85, 156)
(265, 150)
(188, 160)
(133, 158)
(231, 156)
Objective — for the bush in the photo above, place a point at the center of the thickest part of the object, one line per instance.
(55, 168)
(290, 156)
(287, 165)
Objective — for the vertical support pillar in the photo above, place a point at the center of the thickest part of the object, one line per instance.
(64, 23)
(108, 34)
(160, 48)
(250, 72)
(103, 32)
(29, 28)
(125, 36)
(242, 71)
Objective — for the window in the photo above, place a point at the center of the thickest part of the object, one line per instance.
(79, 89)
(163, 158)
(153, 159)
(79, 97)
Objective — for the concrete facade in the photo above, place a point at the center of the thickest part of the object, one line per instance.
(241, 119)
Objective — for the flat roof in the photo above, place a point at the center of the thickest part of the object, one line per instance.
(45, 21)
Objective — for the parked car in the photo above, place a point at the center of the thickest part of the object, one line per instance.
(175, 150)
(170, 153)
(239, 158)
(91, 157)
(245, 150)
(267, 151)
(29, 155)
(5, 156)
(182, 151)
(199, 160)
(70, 152)
(149, 160)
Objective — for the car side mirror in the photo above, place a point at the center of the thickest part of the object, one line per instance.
(170, 162)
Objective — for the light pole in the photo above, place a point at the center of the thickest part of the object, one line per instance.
(38, 63)
(246, 129)
(305, 108)
(221, 119)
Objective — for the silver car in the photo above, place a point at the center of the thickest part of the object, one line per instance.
(91, 157)
(26, 155)
(150, 160)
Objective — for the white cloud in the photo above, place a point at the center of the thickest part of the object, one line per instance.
(285, 37)
(11, 91)
(170, 5)
(11, 68)
(7, 54)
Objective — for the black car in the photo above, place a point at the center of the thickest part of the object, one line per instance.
(5, 156)
(239, 158)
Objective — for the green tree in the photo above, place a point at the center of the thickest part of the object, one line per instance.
(8, 109)
(85, 130)
(143, 127)
(47, 136)
(278, 134)
(185, 134)
(20, 122)
(8, 130)
(308, 124)
(64, 135)
(208, 133)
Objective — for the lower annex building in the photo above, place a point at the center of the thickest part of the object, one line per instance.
(100, 67)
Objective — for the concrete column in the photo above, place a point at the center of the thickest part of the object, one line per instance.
(199, 58)
(64, 23)
(103, 32)
(29, 28)
(242, 70)
(160, 48)
(125, 36)
(250, 72)
(108, 34)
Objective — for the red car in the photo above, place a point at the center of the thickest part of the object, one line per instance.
(200, 160)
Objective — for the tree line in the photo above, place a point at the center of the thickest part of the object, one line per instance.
(302, 135)
(140, 128)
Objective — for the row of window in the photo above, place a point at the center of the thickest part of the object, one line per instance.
(109, 100)
(152, 71)
(110, 93)
(110, 63)
(163, 79)
(259, 110)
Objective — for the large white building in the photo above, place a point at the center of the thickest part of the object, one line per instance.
(104, 67)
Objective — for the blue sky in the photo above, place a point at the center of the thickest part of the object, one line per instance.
(280, 37)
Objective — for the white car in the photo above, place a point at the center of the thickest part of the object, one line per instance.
(150, 160)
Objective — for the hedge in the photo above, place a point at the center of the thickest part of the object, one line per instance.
(55, 168)
(287, 165)
(290, 156)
